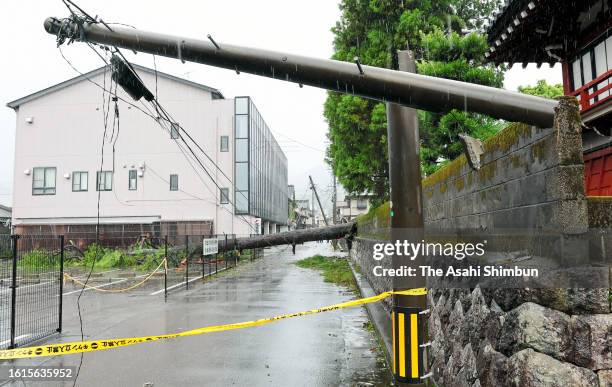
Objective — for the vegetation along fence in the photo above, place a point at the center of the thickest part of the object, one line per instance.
(35, 269)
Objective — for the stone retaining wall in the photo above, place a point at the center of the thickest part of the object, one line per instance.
(475, 342)
(531, 179)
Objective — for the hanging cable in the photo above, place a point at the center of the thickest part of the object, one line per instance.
(162, 113)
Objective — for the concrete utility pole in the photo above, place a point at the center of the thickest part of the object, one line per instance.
(406, 211)
(318, 201)
(417, 91)
(312, 205)
(289, 238)
(334, 200)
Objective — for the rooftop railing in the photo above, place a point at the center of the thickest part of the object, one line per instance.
(595, 93)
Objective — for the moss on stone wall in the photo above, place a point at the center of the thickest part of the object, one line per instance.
(444, 174)
(538, 151)
(459, 184)
(376, 218)
(503, 142)
(507, 138)
(600, 211)
(487, 172)
(451, 174)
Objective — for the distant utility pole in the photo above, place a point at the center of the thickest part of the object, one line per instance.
(318, 201)
(334, 200)
(312, 205)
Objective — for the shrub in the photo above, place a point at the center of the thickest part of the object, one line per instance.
(39, 259)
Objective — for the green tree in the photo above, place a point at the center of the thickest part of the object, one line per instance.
(476, 12)
(374, 30)
(458, 57)
(543, 89)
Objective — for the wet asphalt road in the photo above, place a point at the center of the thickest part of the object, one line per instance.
(328, 349)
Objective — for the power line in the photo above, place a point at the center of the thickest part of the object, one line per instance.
(163, 114)
(298, 142)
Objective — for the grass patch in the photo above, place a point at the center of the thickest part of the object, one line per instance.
(140, 258)
(39, 259)
(334, 270)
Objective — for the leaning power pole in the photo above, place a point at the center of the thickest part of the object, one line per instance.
(334, 200)
(313, 221)
(318, 200)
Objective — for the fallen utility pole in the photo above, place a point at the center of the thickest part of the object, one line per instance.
(407, 89)
(290, 237)
(314, 189)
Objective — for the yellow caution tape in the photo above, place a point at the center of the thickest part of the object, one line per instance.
(97, 288)
(101, 345)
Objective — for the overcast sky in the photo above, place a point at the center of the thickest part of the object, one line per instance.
(31, 62)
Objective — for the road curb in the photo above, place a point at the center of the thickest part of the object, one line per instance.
(378, 315)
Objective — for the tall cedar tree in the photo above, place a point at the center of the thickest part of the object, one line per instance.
(374, 30)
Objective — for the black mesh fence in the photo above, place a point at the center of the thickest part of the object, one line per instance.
(6, 262)
(30, 289)
(33, 267)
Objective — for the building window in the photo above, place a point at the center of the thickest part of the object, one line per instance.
(224, 195)
(362, 204)
(79, 181)
(242, 126)
(593, 63)
(174, 131)
(224, 143)
(133, 180)
(242, 105)
(173, 182)
(242, 203)
(105, 180)
(43, 181)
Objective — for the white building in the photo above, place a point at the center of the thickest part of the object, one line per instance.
(5, 213)
(352, 206)
(5, 219)
(149, 181)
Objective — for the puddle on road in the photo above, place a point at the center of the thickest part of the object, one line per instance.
(379, 377)
(364, 363)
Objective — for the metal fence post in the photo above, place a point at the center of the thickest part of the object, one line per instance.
(166, 269)
(61, 284)
(216, 263)
(14, 238)
(235, 255)
(203, 257)
(187, 262)
(225, 252)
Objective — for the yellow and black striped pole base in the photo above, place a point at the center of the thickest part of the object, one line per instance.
(407, 325)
